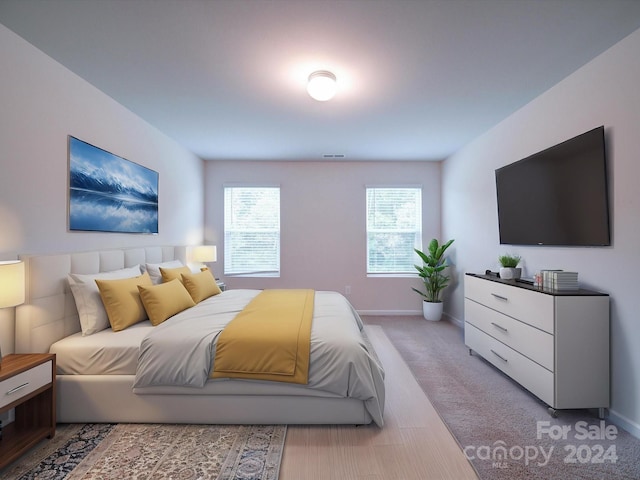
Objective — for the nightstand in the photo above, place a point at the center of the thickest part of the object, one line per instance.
(28, 384)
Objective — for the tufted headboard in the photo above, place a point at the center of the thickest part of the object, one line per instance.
(49, 312)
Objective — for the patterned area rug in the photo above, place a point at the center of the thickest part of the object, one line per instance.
(143, 451)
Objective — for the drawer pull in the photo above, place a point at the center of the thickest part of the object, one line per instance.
(19, 387)
(500, 297)
(499, 356)
(499, 327)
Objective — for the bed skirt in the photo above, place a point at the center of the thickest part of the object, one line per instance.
(81, 399)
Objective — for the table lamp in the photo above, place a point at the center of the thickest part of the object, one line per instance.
(204, 254)
(11, 285)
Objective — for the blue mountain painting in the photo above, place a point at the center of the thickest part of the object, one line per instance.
(108, 193)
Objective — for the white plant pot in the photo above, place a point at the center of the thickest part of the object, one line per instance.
(432, 311)
(507, 273)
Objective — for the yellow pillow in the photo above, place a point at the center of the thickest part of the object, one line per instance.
(169, 274)
(122, 301)
(164, 300)
(200, 285)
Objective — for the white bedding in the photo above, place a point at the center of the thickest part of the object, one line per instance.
(180, 351)
(102, 353)
(352, 372)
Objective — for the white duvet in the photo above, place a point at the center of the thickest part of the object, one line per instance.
(180, 351)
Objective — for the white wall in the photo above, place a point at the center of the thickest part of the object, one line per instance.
(323, 225)
(41, 104)
(603, 92)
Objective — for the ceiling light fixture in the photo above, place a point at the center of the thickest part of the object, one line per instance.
(322, 85)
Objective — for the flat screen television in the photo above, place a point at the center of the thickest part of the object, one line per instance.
(558, 196)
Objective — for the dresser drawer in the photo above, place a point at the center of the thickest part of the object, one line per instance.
(529, 341)
(534, 308)
(24, 383)
(533, 377)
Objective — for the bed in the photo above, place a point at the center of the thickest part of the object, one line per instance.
(96, 373)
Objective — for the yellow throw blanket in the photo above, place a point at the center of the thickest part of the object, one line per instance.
(270, 339)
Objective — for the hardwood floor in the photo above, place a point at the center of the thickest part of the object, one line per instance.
(414, 443)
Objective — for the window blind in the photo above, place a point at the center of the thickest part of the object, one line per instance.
(394, 228)
(252, 231)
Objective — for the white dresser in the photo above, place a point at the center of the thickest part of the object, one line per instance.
(555, 344)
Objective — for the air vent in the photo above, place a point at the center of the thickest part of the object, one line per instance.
(333, 155)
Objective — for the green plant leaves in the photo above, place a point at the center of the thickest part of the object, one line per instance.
(433, 264)
(509, 261)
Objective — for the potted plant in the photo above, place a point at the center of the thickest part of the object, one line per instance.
(435, 280)
(508, 265)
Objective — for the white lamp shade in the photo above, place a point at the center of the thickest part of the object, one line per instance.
(11, 283)
(204, 253)
(322, 85)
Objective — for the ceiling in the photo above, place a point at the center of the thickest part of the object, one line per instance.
(417, 79)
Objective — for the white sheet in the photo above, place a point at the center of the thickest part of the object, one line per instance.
(180, 351)
(103, 353)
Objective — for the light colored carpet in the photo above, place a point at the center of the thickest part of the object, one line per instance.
(144, 451)
(496, 421)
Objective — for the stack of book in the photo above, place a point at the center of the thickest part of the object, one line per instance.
(561, 280)
(547, 280)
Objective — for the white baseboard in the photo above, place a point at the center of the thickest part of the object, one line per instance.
(389, 312)
(623, 422)
(454, 320)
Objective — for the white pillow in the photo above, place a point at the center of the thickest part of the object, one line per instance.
(93, 316)
(154, 269)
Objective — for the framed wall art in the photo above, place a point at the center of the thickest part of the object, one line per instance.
(108, 193)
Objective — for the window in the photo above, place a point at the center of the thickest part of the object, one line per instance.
(394, 229)
(252, 231)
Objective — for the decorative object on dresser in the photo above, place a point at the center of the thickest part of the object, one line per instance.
(431, 273)
(11, 286)
(508, 264)
(28, 385)
(555, 344)
(561, 280)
